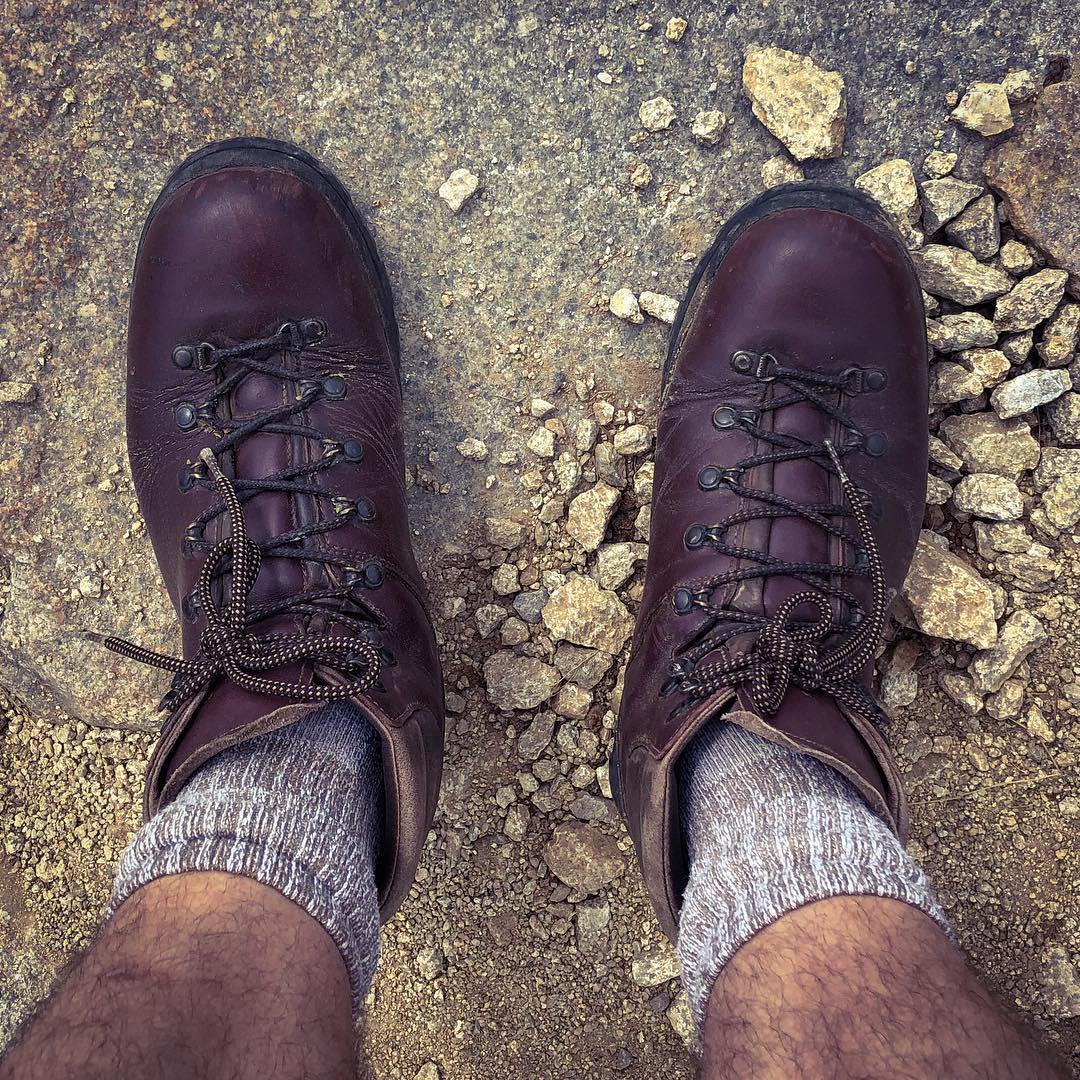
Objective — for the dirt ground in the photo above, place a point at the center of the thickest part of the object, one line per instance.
(484, 971)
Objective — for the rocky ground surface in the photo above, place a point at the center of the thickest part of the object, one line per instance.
(541, 186)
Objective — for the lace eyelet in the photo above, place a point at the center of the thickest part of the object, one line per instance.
(682, 600)
(186, 416)
(334, 387)
(710, 478)
(190, 607)
(353, 449)
(695, 536)
(876, 443)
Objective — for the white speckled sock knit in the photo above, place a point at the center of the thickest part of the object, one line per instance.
(299, 810)
(768, 831)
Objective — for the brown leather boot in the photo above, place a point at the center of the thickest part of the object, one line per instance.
(791, 463)
(265, 440)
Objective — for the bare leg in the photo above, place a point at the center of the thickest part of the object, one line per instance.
(197, 975)
(860, 987)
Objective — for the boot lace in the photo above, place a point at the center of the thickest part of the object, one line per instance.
(824, 655)
(228, 646)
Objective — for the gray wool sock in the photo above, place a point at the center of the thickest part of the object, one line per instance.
(298, 809)
(769, 830)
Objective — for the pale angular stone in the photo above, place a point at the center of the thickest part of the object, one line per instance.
(984, 108)
(957, 275)
(951, 382)
(656, 965)
(573, 702)
(1059, 981)
(977, 228)
(504, 582)
(938, 492)
(583, 857)
(542, 442)
(590, 513)
(989, 366)
(533, 741)
(635, 439)
(676, 27)
(488, 619)
(803, 105)
(505, 533)
(583, 613)
(1061, 502)
(1030, 301)
(892, 185)
(1029, 390)
(965, 330)
(988, 496)
(1007, 702)
(591, 920)
(458, 188)
(1020, 635)
(944, 199)
(988, 444)
(1019, 86)
(1064, 417)
(993, 540)
(518, 682)
(681, 1018)
(780, 170)
(1056, 464)
(1017, 347)
(939, 163)
(624, 305)
(615, 563)
(941, 455)
(707, 126)
(1016, 258)
(959, 687)
(898, 690)
(473, 449)
(1058, 344)
(656, 114)
(659, 306)
(948, 597)
(583, 667)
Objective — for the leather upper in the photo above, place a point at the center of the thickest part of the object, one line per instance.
(228, 256)
(819, 289)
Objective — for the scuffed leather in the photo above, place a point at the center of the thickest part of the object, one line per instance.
(819, 289)
(228, 257)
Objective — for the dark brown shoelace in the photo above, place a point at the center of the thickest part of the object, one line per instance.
(788, 651)
(229, 648)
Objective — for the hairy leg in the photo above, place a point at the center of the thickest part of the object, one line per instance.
(199, 975)
(860, 987)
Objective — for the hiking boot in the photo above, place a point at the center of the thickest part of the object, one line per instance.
(265, 441)
(791, 465)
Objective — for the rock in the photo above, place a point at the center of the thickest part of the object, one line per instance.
(1032, 570)
(473, 449)
(583, 613)
(583, 667)
(1060, 335)
(518, 682)
(944, 199)
(1059, 980)
(948, 597)
(1064, 417)
(542, 442)
(615, 563)
(641, 176)
(989, 366)
(656, 965)
(1007, 702)
(488, 619)
(1037, 727)
(1017, 347)
(1029, 391)
(988, 444)
(656, 114)
(1061, 502)
(951, 382)
(1016, 258)
(458, 187)
(977, 228)
(504, 581)
(803, 105)
(529, 604)
(533, 741)
(659, 306)
(589, 514)
(643, 482)
(430, 963)
(780, 170)
(941, 455)
(513, 632)
(1035, 172)
(591, 920)
(643, 523)
(573, 702)
(1020, 635)
(938, 492)
(1030, 301)
(635, 439)
(540, 408)
(583, 857)
(892, 185)
(676, 27)
(17, 393)
(1019, 86)
(624, 304)
(898, 690)
(984, 108)
(993, 540)
(681, 1018)
(1056, 464)
(707, 126)
(939, 163)
(959, 687)
(586, 432)
(505, 533)
(989, 496)
(957, 275)
(965, 330)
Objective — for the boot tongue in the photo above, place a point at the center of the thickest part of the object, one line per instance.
(816, 723)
